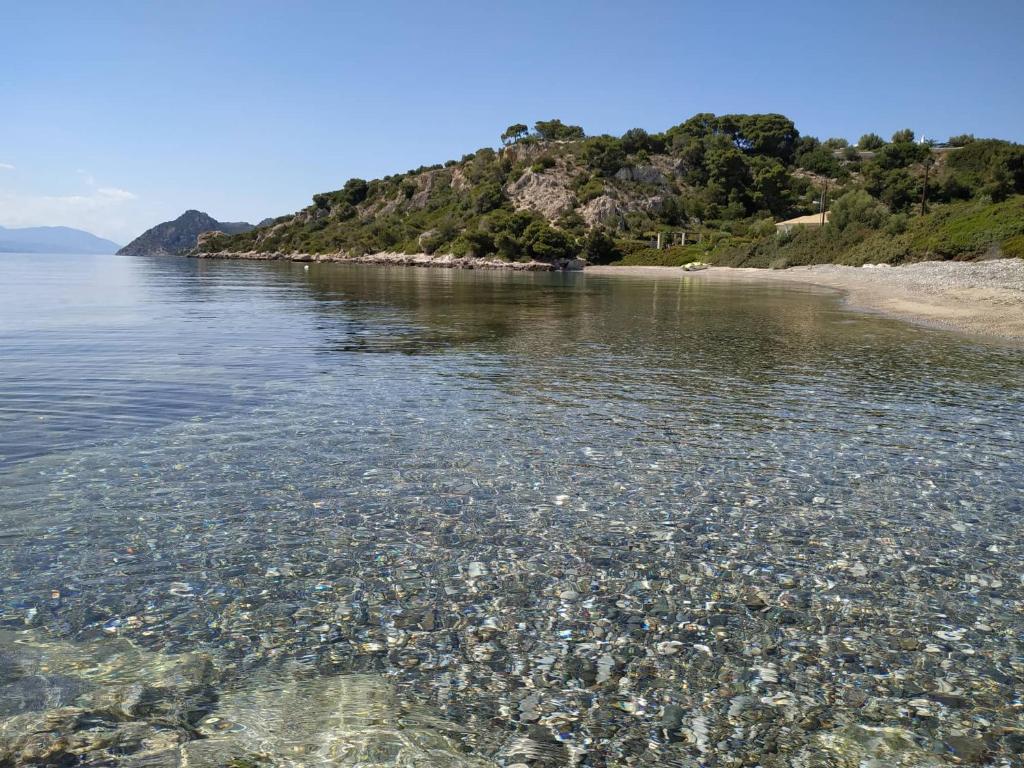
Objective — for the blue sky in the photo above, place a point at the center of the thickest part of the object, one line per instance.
(117, 115)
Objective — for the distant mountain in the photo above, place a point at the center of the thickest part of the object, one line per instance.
(174, 238)
(53, 240)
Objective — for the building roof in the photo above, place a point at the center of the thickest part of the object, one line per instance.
(812, 220)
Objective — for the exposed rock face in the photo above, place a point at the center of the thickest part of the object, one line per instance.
(609, 210)
(178, 237)
(603, 210)
(547, 193)
(646, 174)
(459, 181)
(421, 197)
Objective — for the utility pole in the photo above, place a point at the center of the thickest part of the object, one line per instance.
(924, 191)
(821, 207)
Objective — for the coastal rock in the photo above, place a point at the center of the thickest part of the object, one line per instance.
(178, 237)
(445, 260)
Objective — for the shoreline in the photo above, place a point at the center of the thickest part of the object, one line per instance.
(977, 298)
(389, 258)
(980, 298)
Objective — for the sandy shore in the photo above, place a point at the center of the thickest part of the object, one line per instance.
(984, 298)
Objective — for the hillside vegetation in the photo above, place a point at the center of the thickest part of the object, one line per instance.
(555, 193)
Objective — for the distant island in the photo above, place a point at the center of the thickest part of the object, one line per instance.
(53, 240)
(178, 237)
(731, 190)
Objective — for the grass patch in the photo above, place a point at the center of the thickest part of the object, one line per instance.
(674, 256)
(1014, 247)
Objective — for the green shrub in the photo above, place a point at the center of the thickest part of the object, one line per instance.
(355, 191)
(901, 155)
(573, 224)
(961, 140)
(880, 248)
(870, 141)
(635, 140)
(600, 248)
(478, 243)
(604, 154)
(963, 230)
(858, 208)
(634, 255)
(343, 211)
(762, 228)
(897, 224)
(1014, 247)
(594, 188)
(821, 161)
(984, 161)
(488, 197)
(542, 164)
(545, 243)
(556, 130)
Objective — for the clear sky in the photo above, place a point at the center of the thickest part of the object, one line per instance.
(117, 115)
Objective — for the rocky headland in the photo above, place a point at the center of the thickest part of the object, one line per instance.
(178, 237)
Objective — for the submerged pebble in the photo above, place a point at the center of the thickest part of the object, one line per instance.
(643, 541)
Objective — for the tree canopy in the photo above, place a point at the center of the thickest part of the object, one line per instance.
(514, 133)
(870, 141)
(556, 130)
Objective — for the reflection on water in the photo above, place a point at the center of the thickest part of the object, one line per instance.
(550, 520)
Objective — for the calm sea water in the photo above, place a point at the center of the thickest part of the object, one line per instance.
(380, 516)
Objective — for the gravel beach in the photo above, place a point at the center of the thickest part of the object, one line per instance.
(984, 298)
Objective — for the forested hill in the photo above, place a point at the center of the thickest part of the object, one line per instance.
(554, 193)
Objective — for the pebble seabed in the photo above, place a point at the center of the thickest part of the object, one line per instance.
(350, 570)
(763, 626)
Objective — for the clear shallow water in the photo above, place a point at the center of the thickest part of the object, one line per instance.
(498, 519)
